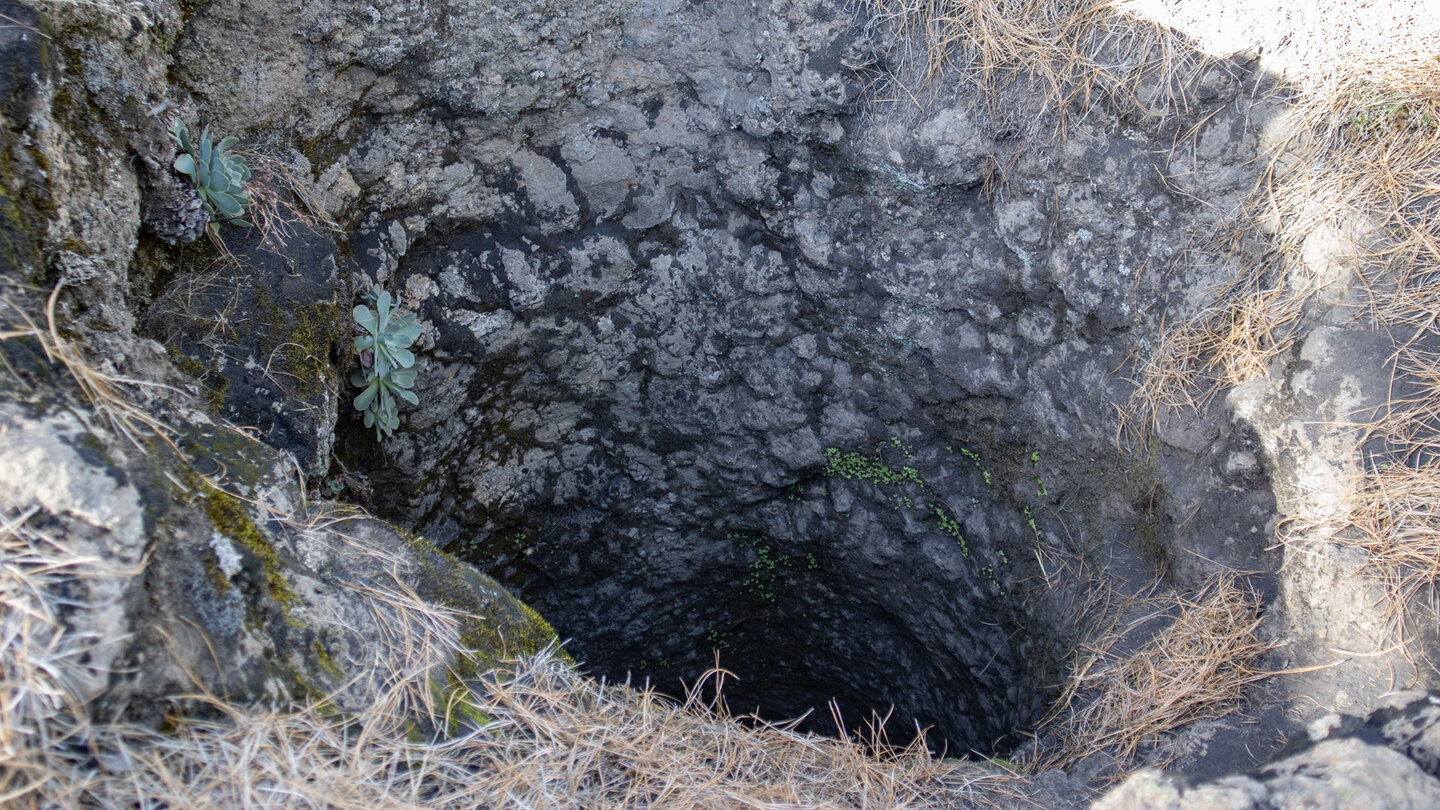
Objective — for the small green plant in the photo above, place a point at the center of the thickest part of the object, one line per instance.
(387, 366)
(951, 526)
(854, 466)
(767, 574)
(1379, 112)
(218, 174)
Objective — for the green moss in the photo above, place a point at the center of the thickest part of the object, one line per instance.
(228, 450)
(215, 394)
(214, 385)
(303, 337)
(229, 518)
(855, 466)
(327, 661)
(1147, 499)
(498, 626)
(495, 627)
(18, 245)
(307, 348)
(215, 576)
(187, 364)
(537, 633)
(455, 699)
(25, 209)
(302, 689)
(488, 642)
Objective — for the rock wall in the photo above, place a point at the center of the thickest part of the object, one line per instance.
(723, 353)
(189, 562)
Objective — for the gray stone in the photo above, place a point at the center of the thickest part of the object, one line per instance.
(1386, 761)
(208, 574)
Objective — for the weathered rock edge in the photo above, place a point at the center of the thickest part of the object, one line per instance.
(1390, 759)
(209, 573)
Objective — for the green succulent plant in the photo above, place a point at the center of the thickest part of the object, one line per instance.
(386, 362)
(218, 174)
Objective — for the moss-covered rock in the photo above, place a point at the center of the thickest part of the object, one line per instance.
(222, 580)
(24, 56)
(263, 330)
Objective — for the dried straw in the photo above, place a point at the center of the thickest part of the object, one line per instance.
(1115, 702)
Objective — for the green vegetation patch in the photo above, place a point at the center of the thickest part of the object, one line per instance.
(769, 572)
(498, 626)
(854, 466)
(229, 518)
(875, 469)
(307, 351)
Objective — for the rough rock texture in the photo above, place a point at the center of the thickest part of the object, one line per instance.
(205, 570)
(21, 203)
(1388, 760)
(667, 265)
(720, 353)
(264, 331)
(213, 576)
(1341, 371)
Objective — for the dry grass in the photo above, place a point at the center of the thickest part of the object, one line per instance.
(1071, 50)
(1389, 506)
(40, 712)
(282, 196)
(1117, 700)
(552, 739)
(543, 736)
(1361, 177)
(105, 390)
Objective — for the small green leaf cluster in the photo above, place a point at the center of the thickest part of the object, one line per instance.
(854, 466)
(951, 526)
(767, 573)
(1382, 112)
(387, 366)
(219, 175)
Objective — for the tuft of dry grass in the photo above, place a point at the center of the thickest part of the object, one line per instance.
(1071, 50)
(552, 739)
(1389, 505)
(281, 196)
(1362, 176)
(40, 712)
(104, 390)
(1358, 177)
(1117, 700)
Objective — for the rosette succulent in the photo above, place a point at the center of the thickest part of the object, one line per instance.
(219, 175)
(386, 362)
